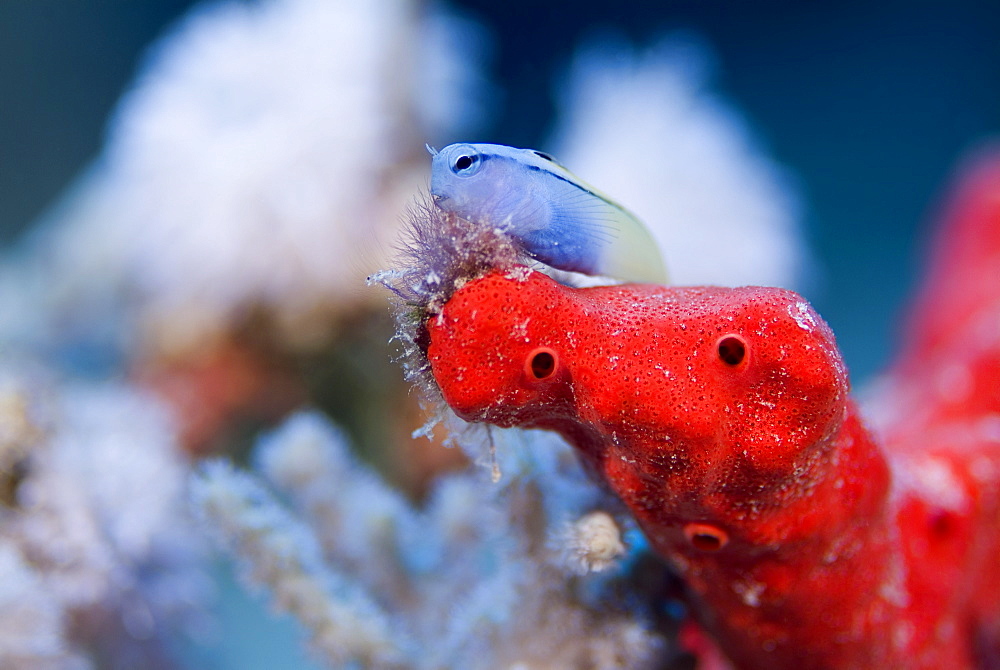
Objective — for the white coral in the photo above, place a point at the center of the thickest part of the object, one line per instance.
(262, 161)
(282, 554)
(473, 579)
(31, 621)
(99, 525)
(648, 130)
(593, 543)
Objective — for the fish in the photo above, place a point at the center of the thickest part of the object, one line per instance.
(723, 419)
(554, 216)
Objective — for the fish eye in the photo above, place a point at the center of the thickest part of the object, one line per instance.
(467, 163)
(541, 364)
(732, 350)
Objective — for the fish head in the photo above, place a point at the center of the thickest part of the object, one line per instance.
(465, 181)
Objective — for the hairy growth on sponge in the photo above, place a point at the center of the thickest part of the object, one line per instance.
(439, 254)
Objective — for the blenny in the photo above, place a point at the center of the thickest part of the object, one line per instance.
(552, 215)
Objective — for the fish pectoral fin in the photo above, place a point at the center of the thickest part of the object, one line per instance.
(610, 241)
(633, 255)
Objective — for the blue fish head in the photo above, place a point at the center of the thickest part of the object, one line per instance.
(463, 183)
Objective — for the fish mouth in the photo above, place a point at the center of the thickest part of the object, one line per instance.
(437, 197)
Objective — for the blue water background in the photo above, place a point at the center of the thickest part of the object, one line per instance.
(870, 104)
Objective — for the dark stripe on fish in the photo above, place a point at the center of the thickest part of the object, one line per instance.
(538, 168)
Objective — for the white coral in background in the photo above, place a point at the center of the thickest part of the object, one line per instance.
(472, 581)
(648, 130)
(31, 620)
(282, 553)
(262, 160)
(97, 531)
(593, 543)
